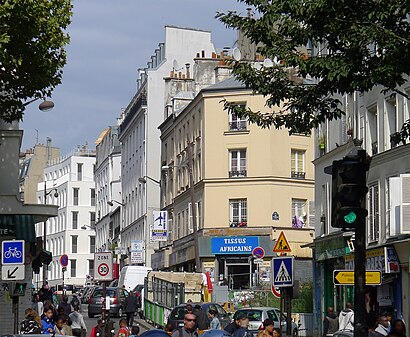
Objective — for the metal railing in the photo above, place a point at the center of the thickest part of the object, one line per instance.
(240, 173)
(238, 126)
(297, 175)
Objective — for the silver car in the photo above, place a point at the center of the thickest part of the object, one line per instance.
(257, 315)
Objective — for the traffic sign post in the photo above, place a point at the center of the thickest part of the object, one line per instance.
(103, 266)
(12, 252)
(283, 271)
(64, 260)
(282, 245)
(258, 253)
(346, 277)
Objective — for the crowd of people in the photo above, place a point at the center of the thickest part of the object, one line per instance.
(380, 326)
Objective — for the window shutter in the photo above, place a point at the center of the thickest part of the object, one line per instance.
(311, 220)
(169, 230)
(405, 204)
(394, 203)
(190, 222)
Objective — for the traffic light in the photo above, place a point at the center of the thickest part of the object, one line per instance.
(349, 191)
(43, 258)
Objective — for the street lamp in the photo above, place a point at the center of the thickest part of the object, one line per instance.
(143, 180)
(45, 225)
(86, 226)
(111, 203)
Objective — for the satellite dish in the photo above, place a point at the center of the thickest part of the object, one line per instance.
(236, 53)
(257, 66)
(175, 65)
(267, 63)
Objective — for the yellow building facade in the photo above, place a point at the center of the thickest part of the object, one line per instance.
(250, 184)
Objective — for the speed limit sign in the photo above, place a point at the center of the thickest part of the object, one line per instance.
(103, 266)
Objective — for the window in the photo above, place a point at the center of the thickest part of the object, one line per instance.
(74, 240)
(92, 219)
(373, 230)
(238, 213)
(75, 219)
(91, 267)
(237, 163)
(236, 123)
(73, 268)
(299, 215)
(298, 164)
(79, 172)
(75, 196)
(92, 197)
(92, 244)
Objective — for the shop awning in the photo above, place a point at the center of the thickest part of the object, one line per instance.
(21, 227)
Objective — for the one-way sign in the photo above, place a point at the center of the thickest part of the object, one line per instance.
(12, 272)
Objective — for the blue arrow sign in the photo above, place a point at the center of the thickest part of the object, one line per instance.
(13, 252)
(283, 271)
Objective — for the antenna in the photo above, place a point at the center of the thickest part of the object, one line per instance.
(175, 65)
(236, 53)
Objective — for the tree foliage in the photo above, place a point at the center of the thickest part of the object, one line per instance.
(32, 54)
(323, 47)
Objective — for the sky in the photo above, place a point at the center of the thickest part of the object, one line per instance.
(110, 40)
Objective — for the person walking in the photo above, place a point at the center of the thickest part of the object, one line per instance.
(371, 322)
(346, 318)
(131, 305)
(384, 325)
(37, 304)
(233, 326)
(330, 323)
(47, 321)
(215, 324)
(31, 323)
(189, 329)
(202, 320)
(77, 323)
(243, 328)
(124, 329)
(268, 328)
(68, 309)
(98, 329)
(398, 329)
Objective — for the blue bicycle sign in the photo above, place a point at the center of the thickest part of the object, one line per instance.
(13, 252)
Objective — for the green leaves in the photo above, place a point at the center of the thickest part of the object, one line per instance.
(32, 40)
(324, 47)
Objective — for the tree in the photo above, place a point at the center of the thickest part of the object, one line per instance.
(323, 48)
(32, 54)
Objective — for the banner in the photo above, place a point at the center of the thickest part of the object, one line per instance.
(159, 229)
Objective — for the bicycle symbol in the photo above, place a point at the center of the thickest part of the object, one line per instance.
(12, 252)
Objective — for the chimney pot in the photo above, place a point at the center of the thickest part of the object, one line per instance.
(203, 54)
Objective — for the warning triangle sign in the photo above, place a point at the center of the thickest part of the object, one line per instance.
(282, 245)
(283, 274)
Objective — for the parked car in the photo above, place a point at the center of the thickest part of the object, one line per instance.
(176, 317)
(257, 315)
(85, 297)
(117, 301)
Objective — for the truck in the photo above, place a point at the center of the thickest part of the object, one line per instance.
(131, 276)
(165, 290)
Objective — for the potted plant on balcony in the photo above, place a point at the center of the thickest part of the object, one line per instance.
(322, 142)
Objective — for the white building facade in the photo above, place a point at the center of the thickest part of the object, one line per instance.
(140, 137)
(70, 185)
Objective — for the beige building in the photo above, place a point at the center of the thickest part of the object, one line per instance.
(249, 185)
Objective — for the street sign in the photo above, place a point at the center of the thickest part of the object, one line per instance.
(64, 260)
(258, 252)
(103, 266)
(258, 261)
(12, 272)
(346, 277)
(275, 291)
(282, 245)
(283, 271)
(13, 252)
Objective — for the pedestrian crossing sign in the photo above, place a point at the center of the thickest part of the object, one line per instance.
(283, 271)
(282, 245)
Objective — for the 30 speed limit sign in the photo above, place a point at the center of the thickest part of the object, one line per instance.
(103, 266)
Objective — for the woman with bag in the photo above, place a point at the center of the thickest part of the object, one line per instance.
(78, 325)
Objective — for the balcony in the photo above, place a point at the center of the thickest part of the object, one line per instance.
(237, 174)
(242, 224)
(297, 175)
(238, 126)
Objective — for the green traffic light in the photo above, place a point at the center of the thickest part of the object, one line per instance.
(351, 217)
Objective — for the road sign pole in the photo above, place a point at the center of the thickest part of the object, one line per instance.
(63, 270)
(104, 310)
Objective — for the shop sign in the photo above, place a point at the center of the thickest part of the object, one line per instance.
(383, 259)
(329, 249)
(234, 244)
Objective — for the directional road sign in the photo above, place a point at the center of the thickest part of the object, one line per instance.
(103, 266)
(12, 272)
(283, 271)
(346, 277)
(12, 252)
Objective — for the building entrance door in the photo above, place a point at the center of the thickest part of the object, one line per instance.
(239, 272)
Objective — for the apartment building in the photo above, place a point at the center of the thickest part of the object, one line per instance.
(139, 137)
(69, 183)
(372, 121)
(249, 185)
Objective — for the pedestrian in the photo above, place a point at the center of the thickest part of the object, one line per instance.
(45, 292)
(202, 320)
(371, 322)
(233, 326)
(268, 328)
(124, 329)
(346, 318)
(59, 327)
(47, 321)
(243, 328)
(77, 323)
(37, 304)
(384, 325)
(398, 329)
(215, 324)
(98, 329)
(68, 309)
(135, 330)
(189, 329)
(330, 323)
(131, 305)
(31, 323)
